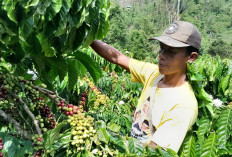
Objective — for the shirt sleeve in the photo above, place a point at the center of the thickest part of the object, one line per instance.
(141, 71)
(173, 127)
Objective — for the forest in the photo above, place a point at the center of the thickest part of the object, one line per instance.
(133, 22)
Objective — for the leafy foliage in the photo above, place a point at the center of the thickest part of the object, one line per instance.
(43, 33)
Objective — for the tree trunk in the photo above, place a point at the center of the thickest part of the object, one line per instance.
(178, 10)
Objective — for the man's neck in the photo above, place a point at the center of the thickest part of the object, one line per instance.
(173, 80)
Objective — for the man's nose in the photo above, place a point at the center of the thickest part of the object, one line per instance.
(161, 54)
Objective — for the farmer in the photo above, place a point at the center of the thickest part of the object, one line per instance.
(167, 93)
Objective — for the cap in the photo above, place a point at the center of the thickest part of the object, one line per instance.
(180, 34)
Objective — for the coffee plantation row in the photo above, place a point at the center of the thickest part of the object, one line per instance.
(80, 105)
(36, 121)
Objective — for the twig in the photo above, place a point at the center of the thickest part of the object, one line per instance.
(17, 126)
(31, 115)
(52, 95)
(37, 74)
(20, 113)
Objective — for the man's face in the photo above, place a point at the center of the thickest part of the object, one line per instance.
(172, 60)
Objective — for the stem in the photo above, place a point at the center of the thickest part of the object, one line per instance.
(31, 115)
(17, 126)
(20, 113)
(52, 95)
(37, 74)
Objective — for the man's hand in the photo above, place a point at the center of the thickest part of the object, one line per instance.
(111, 54)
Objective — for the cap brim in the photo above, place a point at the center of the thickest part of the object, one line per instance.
(169, 41)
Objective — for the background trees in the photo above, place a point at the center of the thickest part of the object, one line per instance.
(149, 18)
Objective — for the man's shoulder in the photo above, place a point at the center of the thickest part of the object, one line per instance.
(143, 71)
(188, 97)
(135, 62)
(184, 97)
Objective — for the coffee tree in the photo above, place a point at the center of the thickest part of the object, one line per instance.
(46, 36)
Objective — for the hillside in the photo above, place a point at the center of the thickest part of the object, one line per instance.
(133, 21)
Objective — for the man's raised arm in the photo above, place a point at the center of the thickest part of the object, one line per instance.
(111, 54)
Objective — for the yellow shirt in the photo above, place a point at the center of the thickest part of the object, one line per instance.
(173, 111)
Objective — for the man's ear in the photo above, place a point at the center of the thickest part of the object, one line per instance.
(192, 57)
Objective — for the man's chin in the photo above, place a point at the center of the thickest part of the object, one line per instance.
(161, 71)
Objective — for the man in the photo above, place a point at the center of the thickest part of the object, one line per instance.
(171, 102)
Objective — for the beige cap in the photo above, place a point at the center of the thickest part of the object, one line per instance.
(180, 34)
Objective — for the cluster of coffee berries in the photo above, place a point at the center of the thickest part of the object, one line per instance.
(83, 99)
(4, 87)
(101, 99)
(8, 81)
(12, 110)
(1, 147)
(45, 113)
(39, 153)
(97, 152)
(114, 78)
(3, 93)
(46, 117)
(12, 87)
(69, 109)
(38, 143)
(82, 130)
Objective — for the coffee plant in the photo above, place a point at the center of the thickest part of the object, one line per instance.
(65, 111)
(47, 36)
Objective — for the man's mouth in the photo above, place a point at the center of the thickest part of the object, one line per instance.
(162, 65)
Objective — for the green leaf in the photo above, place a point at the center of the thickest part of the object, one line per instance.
(76, 38)
(17, 55)
(151, 153)
(64, 140)
(100, 124)
(224, 83)
(10, 148)
(135, 146)
(210, 145)
(103, 135)
(172, 153)
(223, 125)
(219, 71)
(9, 7)
(53, 72)
(39, 63)
(33, 2)
(76, 5)
(117, 141)
(57, 4)
(114, 127)
(188, 146)
(53, 135)
(92, 32)
(82, 69)
(26, 149)
(204, 127)
(103, 26)
(46, 46)
(32, 46)
(72, 73)
(197, 150)
(61, 66)
(91, 65)
(50, 13)
(164, 153)
(26, 27)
